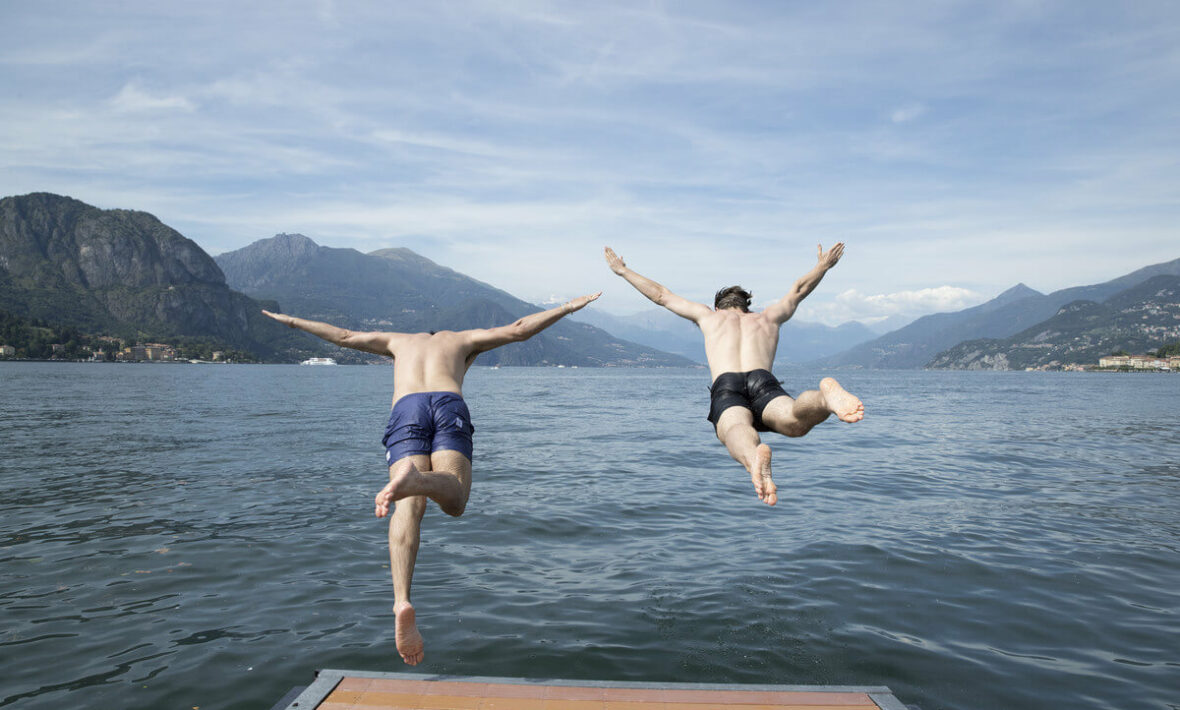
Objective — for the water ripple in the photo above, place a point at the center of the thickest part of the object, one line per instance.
(970, 544)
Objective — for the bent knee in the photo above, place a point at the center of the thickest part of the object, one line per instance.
(793, 430)
(455, 510)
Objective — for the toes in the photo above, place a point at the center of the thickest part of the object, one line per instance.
(771, 496)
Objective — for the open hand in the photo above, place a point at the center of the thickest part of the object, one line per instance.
(615, 262)
(580, 302)
(285, 320)
(829, 258)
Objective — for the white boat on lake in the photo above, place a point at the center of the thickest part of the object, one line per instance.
(318, 361)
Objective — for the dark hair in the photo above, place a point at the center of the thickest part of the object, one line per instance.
(733, 297)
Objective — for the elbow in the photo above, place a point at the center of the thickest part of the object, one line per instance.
(518, 332)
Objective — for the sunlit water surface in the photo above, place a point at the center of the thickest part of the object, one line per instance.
(203, 536)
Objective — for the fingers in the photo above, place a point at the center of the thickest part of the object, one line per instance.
(285, 320)
(833, 254)
(581, 301)
(613, 260)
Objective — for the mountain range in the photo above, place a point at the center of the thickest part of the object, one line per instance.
(124, 273)
(1136, 319)
(799, 341)
(399, 290)
(1006, 315)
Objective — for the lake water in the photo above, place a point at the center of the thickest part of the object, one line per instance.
(203, 536)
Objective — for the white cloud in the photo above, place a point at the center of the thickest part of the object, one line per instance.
(907, 113)
(133, 99)
(871, 308)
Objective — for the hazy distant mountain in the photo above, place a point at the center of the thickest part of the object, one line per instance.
(799, 342)
(398, 290)
(1009, 313)
(657, 328)
(1141, 318)
(119, 272)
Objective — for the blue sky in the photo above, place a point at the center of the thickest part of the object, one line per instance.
(956, 148)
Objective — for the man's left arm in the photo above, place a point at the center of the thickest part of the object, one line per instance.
(370, 342)
(781, 310)
(486, 339)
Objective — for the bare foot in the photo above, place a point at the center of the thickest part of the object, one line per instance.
(843, 404)
(763, 483)
(409, 641)
(403, 473)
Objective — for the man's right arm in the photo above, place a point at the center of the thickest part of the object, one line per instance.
(656, 292)
(376, 343)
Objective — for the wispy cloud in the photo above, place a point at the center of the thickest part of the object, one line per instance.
(907, 113)
(955, 147)
(132, 98)
(870, 308)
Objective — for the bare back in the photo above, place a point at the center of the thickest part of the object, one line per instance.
(738, 342)
(424, 362)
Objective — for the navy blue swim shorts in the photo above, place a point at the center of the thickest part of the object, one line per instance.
(425, 422)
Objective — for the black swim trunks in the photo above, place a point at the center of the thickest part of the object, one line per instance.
(752, 390)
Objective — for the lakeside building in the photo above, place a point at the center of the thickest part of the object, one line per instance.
(7, 351)
(152, 352)
(1140, 362)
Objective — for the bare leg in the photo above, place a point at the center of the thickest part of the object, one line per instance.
(447, 487)
(405, 530)
(796, 417)
(404, 534)
(735, 429)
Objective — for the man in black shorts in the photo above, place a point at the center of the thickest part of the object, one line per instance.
(740, 346)
(428, 440)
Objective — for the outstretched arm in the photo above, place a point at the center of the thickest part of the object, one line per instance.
(781, 310)
(658, 293)
(486, 339)
(376, 343)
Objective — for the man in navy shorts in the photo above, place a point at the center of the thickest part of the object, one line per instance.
(428, 438)
(745, 397)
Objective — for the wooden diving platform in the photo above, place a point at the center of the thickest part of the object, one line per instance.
(360, 690)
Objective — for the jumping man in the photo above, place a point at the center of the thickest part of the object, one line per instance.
(740, 346)
(428, 439)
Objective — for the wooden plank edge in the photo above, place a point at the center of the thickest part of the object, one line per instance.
(314, 694)
(887, 701)
(640, 685)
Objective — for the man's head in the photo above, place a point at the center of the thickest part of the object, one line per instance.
(732, 297)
